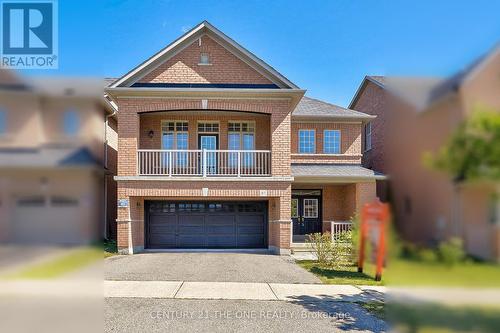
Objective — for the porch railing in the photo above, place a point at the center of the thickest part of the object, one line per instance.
(337, 228)
(204, 163)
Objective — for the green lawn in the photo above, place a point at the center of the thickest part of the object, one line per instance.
(413, 273)
(348, 275)
(469, 274)
(434, 318)
(70, 262)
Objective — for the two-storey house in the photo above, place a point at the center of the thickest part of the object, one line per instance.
(53, 189)
(216, 149)
(416, 116)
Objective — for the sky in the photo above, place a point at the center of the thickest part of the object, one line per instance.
(325, 47)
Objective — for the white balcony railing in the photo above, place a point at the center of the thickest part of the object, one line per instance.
(204, 163)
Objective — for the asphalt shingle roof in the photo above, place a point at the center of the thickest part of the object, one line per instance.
(47, 157)
(310, 107)
(333, 171)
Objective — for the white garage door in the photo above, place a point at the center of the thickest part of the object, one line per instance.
(40, 219)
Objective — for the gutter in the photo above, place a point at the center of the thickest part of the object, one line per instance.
(113, 114)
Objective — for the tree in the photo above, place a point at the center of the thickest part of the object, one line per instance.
(473, 151)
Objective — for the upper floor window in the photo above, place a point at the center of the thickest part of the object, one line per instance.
(204, 59)
(3, 121)
(208, 127)
(174, 135)
(331, 142)
(241, 136)
(368, 136)
(71, 122)
(307, 141)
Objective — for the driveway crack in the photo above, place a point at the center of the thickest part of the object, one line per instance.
(272, 291)
(177, 291)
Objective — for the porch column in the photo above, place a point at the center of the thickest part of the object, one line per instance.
(280, 143)
(280, 224)
(130, 226)
(128, 139)
(365, 192)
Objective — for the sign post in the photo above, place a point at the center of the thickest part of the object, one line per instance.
(374, 221)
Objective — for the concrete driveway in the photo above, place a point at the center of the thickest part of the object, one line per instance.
(207, 267)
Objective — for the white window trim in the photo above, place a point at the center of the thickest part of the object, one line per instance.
(298, 140)
(240, 132)
(317, 208)
(207, 122)
(205, 63)
(175, 131)
(340, 141)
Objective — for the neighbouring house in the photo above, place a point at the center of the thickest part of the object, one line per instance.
(52, 153)
(216, 149)
(415, 115)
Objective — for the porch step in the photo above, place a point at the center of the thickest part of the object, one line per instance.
(301, 247)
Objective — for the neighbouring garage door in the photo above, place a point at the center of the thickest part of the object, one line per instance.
(189, 224)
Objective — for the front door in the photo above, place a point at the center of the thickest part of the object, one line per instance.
(209, 142)
(306, 216)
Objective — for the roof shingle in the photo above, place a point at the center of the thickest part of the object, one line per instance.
(310, 107)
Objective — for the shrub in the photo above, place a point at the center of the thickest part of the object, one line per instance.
(427, 255)
(342, 250)
(322, 246)
(451, 252)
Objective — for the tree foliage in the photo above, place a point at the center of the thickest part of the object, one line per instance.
(473, 151)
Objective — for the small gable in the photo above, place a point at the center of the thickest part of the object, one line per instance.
(205, 61)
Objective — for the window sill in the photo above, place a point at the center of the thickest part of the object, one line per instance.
(200, 64)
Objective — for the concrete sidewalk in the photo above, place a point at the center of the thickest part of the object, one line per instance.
(242, 291)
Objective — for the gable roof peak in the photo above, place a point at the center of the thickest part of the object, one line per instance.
(204, 28)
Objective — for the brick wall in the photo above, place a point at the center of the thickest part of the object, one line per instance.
(373, 101)
(224, 68)
(152, 121)
(350, 142)
(129, 126)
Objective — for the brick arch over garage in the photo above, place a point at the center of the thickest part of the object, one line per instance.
(129, 110)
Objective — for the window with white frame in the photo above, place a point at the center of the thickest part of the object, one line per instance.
(71, 122)
(368, 136)
(310, 208)
(331, 142)
(204, 59)
(241, 136)
(3, 121)
(307, 141)
(208, 127)
(175, 136)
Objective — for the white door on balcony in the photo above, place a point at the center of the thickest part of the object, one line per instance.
(209, 142)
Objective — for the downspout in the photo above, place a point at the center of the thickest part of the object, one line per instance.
(105, 231)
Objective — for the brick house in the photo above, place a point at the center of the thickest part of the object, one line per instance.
(216, 149)
(416, 115)
(56, 176)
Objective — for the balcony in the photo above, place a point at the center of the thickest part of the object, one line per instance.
(204, 163)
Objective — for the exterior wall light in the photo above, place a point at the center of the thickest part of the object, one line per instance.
(151, 134)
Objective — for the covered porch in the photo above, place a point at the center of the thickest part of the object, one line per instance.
(325, 198)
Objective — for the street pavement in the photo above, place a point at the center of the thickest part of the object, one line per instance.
(182, 315)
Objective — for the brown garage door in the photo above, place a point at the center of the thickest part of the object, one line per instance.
(193, 224)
